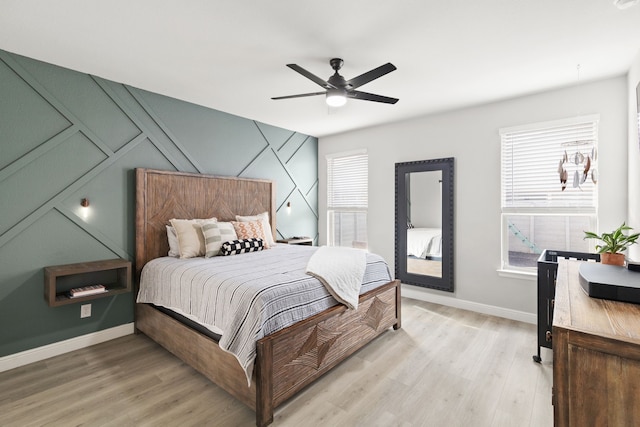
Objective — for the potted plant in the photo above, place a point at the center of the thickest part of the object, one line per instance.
(613, 244)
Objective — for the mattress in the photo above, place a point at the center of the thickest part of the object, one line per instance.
(245, 297)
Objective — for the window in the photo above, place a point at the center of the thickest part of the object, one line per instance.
(638, 110)
(347, 199)
(549, 189)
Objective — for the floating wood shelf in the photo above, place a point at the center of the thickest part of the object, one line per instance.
(115, 274)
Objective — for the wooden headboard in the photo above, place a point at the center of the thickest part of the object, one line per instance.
(163, 195)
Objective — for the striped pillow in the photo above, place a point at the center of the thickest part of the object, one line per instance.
(236, 247)
(215, 233)
(190, 238)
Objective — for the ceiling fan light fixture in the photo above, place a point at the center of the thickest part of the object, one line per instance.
(337, 89)
(336, 97)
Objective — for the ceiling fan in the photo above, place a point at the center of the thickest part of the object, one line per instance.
(338, 89)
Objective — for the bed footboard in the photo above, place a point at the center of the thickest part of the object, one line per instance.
(198, 351)
(287, 360)
(292, 358)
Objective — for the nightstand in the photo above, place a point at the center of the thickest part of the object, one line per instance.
(115, 274)
(308, 241)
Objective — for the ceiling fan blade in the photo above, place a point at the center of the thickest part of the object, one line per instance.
(300, 96)
(371, 75)
(356, 94)
(325, 84)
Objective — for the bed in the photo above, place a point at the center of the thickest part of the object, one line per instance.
(425, 243)
(282, 361)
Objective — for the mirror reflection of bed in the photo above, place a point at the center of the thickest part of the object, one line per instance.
(424, 223)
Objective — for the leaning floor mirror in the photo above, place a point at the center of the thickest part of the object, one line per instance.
(424, 223)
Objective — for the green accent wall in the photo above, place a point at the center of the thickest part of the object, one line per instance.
(66, 135)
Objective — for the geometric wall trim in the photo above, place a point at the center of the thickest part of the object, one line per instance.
(67, 135)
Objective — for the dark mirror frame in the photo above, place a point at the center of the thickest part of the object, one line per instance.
(446, 165)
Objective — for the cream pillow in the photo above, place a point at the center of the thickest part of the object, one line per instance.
(250, 229)
(215, 234)
(266, 226)
(190, 237)
(174, 246)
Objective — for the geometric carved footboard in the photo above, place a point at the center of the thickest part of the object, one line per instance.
(287, 360)
(292, 358)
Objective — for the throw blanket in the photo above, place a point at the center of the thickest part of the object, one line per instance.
(341, 271)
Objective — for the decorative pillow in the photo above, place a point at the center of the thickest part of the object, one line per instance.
(266, 225)
(247, 230)
(190, 237)
(174, 246)
(409, 225)
(236, 247)
(215, 233)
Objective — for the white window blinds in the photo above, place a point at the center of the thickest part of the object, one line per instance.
(347, 200)
(347, 185)
(533, 158)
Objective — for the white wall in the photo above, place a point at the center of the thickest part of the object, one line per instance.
(426, 199)
(633, 216)
(471, 136)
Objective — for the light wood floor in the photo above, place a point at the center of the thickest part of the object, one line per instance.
(424, 266)
(445, 367)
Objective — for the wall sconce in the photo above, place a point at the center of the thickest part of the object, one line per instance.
(84, 209)
(288, 207)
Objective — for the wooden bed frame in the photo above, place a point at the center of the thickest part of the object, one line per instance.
(287, 360)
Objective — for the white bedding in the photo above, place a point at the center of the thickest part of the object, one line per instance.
(246, 297)
(424, 242)
(340, 270)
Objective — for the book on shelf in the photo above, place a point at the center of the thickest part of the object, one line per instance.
(87, 290)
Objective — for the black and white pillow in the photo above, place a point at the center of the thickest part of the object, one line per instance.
(409, 225)
(235, 247)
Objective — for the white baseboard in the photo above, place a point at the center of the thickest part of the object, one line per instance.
(507, 313)
(41, 353)
(36, 354)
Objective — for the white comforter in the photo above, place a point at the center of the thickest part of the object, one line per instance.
(246, 297)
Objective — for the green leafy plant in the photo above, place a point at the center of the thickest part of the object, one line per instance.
(614, 242)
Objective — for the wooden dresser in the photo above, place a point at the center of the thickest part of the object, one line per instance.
(596, 356)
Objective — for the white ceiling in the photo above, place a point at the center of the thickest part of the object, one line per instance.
(231, 55)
